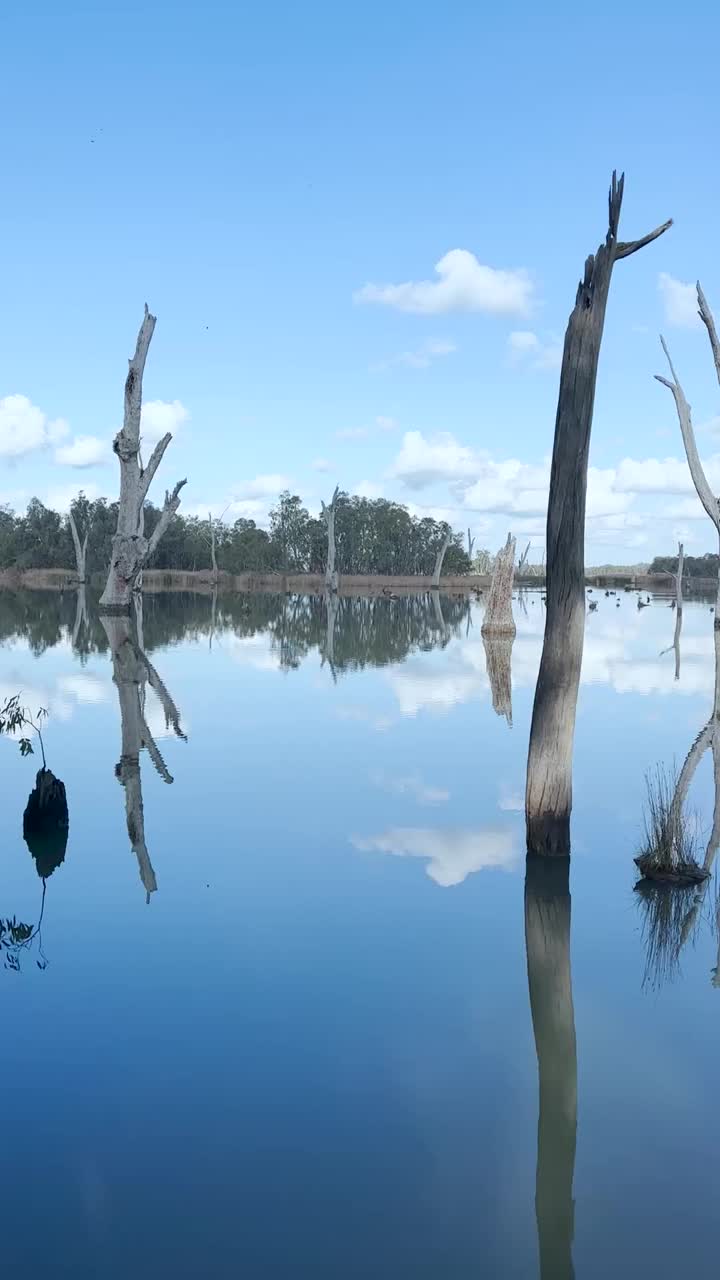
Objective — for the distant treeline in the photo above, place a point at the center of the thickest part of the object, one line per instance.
(372, 536)
(694, 566)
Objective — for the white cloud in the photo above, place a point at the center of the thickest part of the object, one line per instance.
(265, 486)
(159, 417)
(413, 787)
(352, 433)
(83, 451)
(679, 302)
(385, 424)
(420, 357)
(24, 428)
(368, 489)
(60, 499)
(528, 350)
(452, 854)
(668, 475)
(321, 464)
(422, 461)
(464, 284)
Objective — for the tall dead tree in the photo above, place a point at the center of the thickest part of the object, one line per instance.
(80, 547)
(697, 472)
(328, 515)
(213, 552)
(439, 560)
(132, 670)
(523, 559)
(131, 549)
(548, 794)
(498, 618)
(678, 611)
(471, 544)
(547, 942)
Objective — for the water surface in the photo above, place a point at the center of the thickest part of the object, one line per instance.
(285, 1028)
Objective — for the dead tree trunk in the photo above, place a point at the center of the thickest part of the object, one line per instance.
(80, 547)
(439, 560)
(699, 479)
(131, 550)
(328, 514)
(548, 795)
(213, 554)
(131, 670)
(679, 578)
(332, 607)
(471, 544)
(523, 559)
(547, 941)
(498, 618)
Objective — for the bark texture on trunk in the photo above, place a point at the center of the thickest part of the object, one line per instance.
(213, 554)
(328, 514)
(547, 942)
(439, 560)
(80, 548)
(498, 661)
(131, 671)
(131, 549)
(548, 795)
(498, 618)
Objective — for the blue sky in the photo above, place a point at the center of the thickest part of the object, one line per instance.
(248, 172)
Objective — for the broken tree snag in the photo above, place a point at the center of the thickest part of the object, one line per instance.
(548, 795)
(328, 515)
(213, 554)
(498, 661)
(439, 560)
(80, 547)
(498, 618)
(697, 472)
(130, 548)
(547, 943)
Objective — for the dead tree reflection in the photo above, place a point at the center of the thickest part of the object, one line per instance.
(498, 661)
(547, 941)
(132, 672)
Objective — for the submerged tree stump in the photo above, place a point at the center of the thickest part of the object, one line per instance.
(46, 823)
(548, 794)
(498, 618)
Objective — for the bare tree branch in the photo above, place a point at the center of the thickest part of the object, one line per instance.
(697, 473)
(624, 248)
(172, 502)
(156, 457)
(706, 316)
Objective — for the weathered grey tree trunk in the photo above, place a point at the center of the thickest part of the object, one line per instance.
(498, 662)
(523, 559)
(471, 544)
(131, 550)
(547, 941)
(679, 578)
(213, 554)
(131, 670)
(328, 514)
(439, 560)
(548, 795)
(699, 479)
(498, 618)
(678, 612)
(80, 547)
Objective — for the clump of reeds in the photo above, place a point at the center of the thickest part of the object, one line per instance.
(670, 844)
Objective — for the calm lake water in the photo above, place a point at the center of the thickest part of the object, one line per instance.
(311, 1052)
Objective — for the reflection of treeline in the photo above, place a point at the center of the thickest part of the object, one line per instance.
(367, 631)
(694, 566)
(372, 536)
